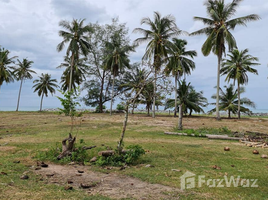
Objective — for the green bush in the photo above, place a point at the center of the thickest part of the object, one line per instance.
(97, 110)
(120, 107)
(131, 156)
(79, 154)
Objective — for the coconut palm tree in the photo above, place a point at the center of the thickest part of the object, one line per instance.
(161, 29)
(229, 101)
(237, 67)
(192, 100)
(117, 58)
(44, 85)
(23, 72)
(179, 63)
(219, 24)
(5, 69)
(78, 73)
(77, 36)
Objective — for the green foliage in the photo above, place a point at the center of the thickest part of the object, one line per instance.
(202, 132)
(69, 103)
(132, 154)
(120, 107)
(97, 110)
(79, 154)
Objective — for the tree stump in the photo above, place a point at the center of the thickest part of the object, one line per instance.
(67, 148)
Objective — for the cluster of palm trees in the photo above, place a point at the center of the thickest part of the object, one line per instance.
(165, 53)
(21, 71)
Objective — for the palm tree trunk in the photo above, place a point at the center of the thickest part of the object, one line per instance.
(218, 89)
(119, 147)
(41, 102)
(176, 82)
(155, 74)
(111, 107)
(180, 117)
(229, 113)
(101, 94)
(19, 95)
(71, 72)
(238, 96)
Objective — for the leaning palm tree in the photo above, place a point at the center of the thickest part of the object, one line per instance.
(76, 35)
(219, 24)
(117, 58)
(5, 69)
(161, 29)
(44, 85)
(237, 67)
(78, 73)
(179, 63)
(23, 72)
(229, 101)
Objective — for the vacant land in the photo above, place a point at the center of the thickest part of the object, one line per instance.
(24, 134)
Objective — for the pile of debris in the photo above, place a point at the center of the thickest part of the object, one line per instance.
(255, 139)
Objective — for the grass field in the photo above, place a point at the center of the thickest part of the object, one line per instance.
(24, 134)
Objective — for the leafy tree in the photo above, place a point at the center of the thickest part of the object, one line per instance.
(219, 24)
(117, 54)
(161, 29)
(179, 62)
(44, 85)
(78, 73)
(77, 36)
(229, 101)
(5, 69)
(237, 67)
(23, 72)
(99, 87)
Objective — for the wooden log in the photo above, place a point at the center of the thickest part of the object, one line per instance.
(91, 147)
(222, 137)
(106, 153)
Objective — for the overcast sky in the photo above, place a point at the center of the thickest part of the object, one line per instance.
(29, 29)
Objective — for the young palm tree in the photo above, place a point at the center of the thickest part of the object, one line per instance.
(22, 73)
(78, 73)
(179, 63)
(5, 69)
(237, 67)
(76, 35)
(117, 58)
(229, 101)
(158, 35)
(44, 85)
(219, 24)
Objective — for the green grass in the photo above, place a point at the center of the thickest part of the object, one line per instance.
(30, 132)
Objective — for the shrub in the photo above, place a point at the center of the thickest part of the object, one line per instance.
(97, 110)
(131, 156)
(120, 107)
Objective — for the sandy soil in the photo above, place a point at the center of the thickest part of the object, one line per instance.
(110, 184)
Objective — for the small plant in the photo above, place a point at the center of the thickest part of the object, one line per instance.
(97, 110)
(79, 154)
(130, 156)
(120, 107)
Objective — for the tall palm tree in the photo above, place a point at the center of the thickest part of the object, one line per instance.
(229, 101)
(117, 58)
(237, 67)
(77, 36)
(44, 85)
(78, 73)
(179, 63)
(5, 69)
(219, 24)
(23, 72)
(161, 29)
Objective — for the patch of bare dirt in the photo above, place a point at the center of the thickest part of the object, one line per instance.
(111, 185)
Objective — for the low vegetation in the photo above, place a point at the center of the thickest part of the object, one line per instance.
(29, 137)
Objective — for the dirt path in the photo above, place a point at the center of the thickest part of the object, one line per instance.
(110, 185)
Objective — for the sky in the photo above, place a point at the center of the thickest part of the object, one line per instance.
(29, 29)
